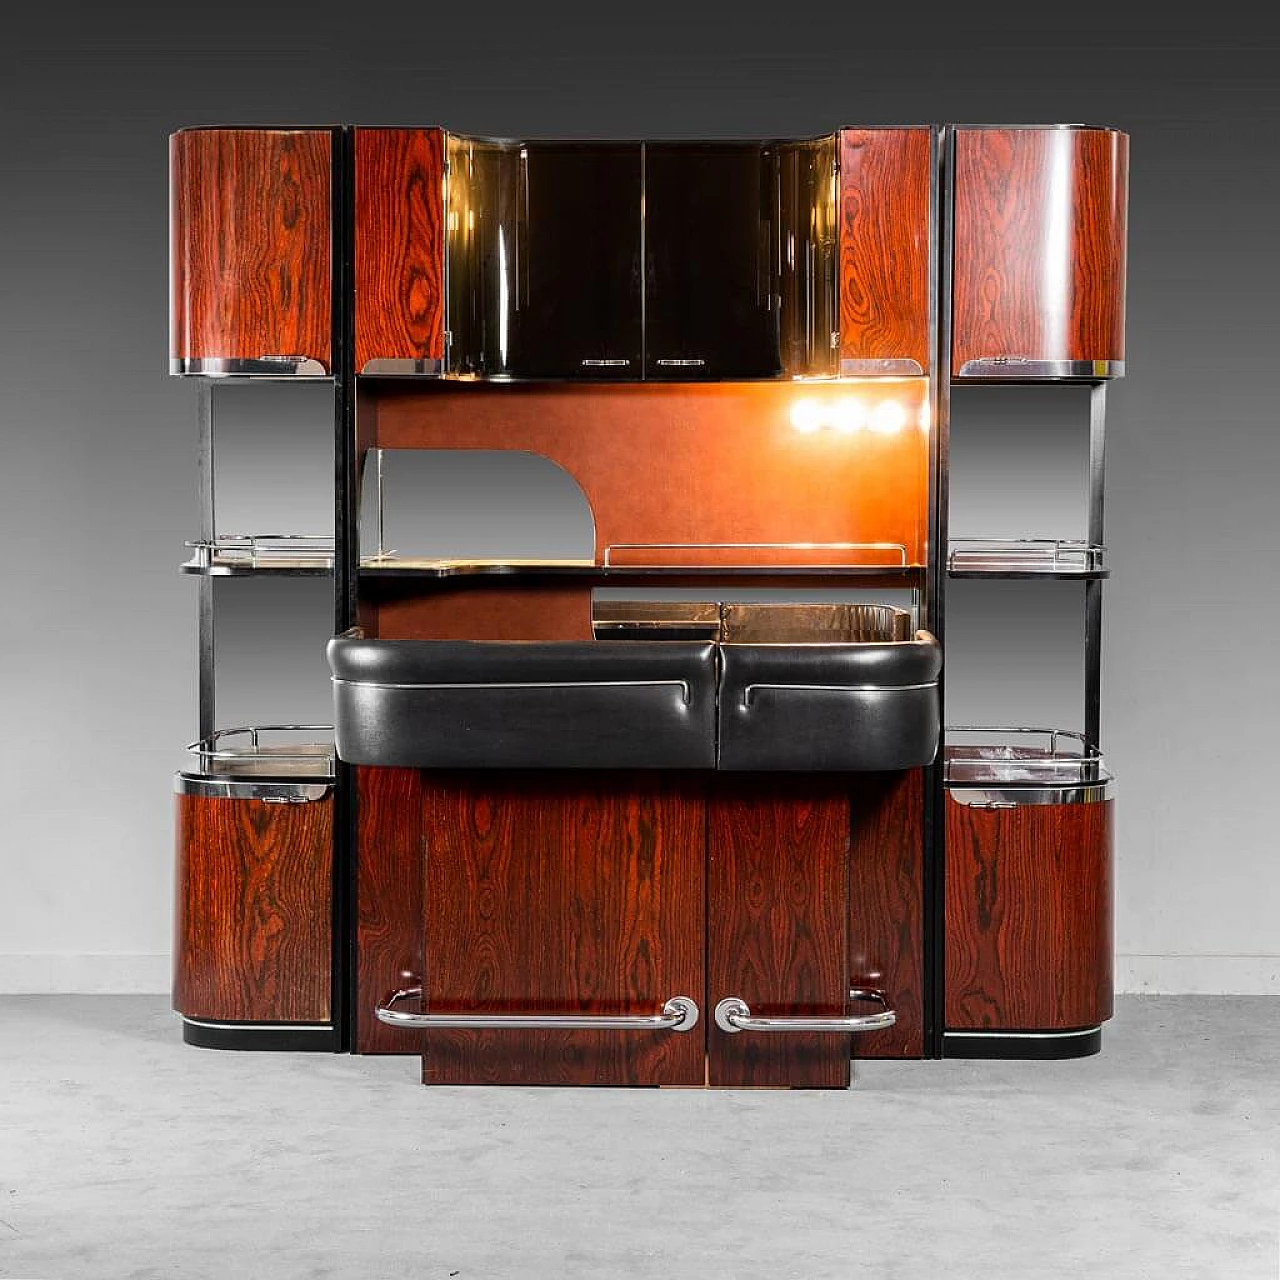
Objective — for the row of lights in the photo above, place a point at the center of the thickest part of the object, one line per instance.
(850, 414)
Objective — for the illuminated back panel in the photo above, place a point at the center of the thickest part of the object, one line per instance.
(750, 474)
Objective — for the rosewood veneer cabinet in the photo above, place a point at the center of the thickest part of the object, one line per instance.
(681, 810)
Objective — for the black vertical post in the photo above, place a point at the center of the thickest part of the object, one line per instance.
(345, 566)
(934, 614)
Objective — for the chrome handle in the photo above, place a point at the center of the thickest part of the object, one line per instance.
(612, 362)
(692, 362)
(678, 1014)
(733, 1014)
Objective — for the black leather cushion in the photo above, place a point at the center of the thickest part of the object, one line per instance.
(829, 707)
(566, 705)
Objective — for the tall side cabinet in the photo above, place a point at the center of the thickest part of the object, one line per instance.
(1038, 297)
(256, 280)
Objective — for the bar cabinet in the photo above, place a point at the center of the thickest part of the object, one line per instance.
(674, 805)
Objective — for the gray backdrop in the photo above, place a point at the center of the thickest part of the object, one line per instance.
(97, 480)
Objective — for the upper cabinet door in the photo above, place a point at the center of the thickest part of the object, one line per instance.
(1040, 248)
(399, 251)
(544, 259)
(251, 251)
(884, 251)
(740, 249)
(709, 271)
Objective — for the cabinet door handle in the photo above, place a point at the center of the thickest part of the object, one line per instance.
(690, 362)
(678, 1014)
(733, 1015)
(610, 362)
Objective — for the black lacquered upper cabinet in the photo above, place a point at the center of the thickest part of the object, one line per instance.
(544, 265)
(709, 286)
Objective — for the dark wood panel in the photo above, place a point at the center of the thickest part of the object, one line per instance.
(884, 244)
(686, 464)
(1029, 936)
(252, 917)
(479, 610)
(563, 893)
(1040, 244)
(399, 245)
(886, 904)
(251, 243)
(777, 924)
(388, 901)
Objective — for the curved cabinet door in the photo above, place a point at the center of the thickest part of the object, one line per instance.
(253, 911)
(544, 259)
(399, 251)
(885, 184)
(1028, 905)
(1040, 234)
(251, 252)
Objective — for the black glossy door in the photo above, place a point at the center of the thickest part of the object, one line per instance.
(709, 247)
(579, 313)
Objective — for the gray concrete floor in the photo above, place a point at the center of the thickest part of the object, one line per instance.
(125, 1154)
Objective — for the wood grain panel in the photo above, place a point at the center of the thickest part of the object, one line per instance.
(886, 903)
(471, 609)
(562, 893)
(884, 244)
(777, 924)
(399, 244)
(252, 918)
(251, 243)
(388, 901)
(688, 464)
(1040, 244)
(1029, 934)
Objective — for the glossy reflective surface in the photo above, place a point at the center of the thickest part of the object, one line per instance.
(675, 261)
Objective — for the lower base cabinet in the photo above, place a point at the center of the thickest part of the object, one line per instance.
(544, 894)
(253, 914)
(1028, 915)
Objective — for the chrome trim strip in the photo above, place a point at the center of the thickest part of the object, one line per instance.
(1031, 367)
(733, 1015)
(257, 1026)
(1025, 1035)
(898, 366)
(1016, 797)
(401, 367)
(680, 1013)
(835, 688)
(244, 367)
(187, 784)
(682, 685)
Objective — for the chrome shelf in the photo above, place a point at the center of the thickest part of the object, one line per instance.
(1004, 767)
(1057, 558)
(253, 752)
(247, 554)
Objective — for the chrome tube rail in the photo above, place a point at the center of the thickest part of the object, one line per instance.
(733, 1015)
(680, 1013)
(899, 549)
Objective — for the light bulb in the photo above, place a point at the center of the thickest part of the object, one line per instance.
(888, 417)
(850, 415)
(806, 416)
